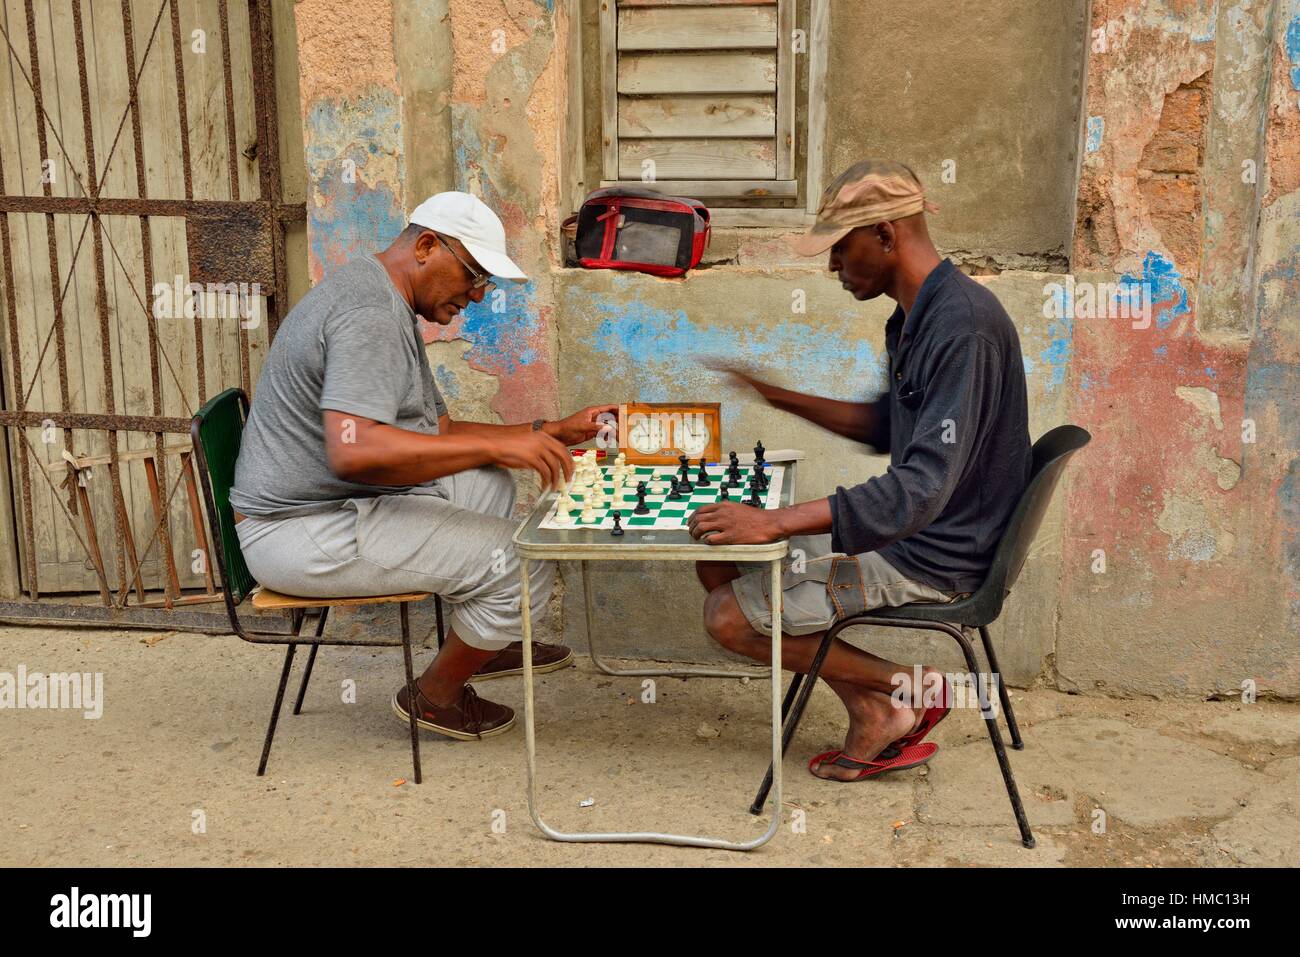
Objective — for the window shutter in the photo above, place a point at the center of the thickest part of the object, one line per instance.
(700, 93)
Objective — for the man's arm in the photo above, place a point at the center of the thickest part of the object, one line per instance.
(580, 427)
(866, 422)
(909, 496)
(373, 453)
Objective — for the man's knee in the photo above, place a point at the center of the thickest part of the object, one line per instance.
(723, 619)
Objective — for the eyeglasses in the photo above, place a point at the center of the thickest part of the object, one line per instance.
(482, 280)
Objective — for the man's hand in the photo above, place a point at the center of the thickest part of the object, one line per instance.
(537, 451)
(739, 373)
(730, 523)
(582, 426)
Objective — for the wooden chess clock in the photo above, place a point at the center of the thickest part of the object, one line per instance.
(657, 433)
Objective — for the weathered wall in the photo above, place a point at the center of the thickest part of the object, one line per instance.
(1195, 518)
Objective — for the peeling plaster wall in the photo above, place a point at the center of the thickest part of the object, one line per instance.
(1188, 494)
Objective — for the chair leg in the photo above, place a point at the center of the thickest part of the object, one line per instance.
(410, 689)
(275, 710)
(1003, 694)
(437, 610)
(995, 734)
(311, 660)
(792, 718)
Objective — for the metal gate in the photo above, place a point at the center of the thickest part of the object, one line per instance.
(142, 232)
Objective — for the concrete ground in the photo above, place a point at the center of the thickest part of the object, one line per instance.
(1180, 782)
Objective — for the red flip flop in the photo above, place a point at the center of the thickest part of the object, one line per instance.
(930, 718)
(899, 759)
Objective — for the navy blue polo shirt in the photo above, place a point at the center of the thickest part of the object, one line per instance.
(955, 423)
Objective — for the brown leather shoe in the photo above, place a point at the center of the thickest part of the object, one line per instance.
(469, 719)
(510, 661)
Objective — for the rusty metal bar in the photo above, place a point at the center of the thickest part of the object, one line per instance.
(196, 515)
(159, 507)
(146, 245)
(268, 157)
(146, 206)
(97, 420)
(61, 355)
(182, 110)
(182, 107)
(92, 537)
(232, 159)
(16, 363)
(101, 293)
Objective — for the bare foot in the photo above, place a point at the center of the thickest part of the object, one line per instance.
(874, 721)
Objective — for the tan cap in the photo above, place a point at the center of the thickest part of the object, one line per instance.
(868, 192)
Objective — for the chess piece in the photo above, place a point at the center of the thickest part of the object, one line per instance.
(618, 524)
(702, 480)
(641, 507)
(733, 474)
(753, 497)
(758, 452)
(675, 494)
(562, 516)
(733, 462)
(684, 478)
(588, 516)
(724, 497)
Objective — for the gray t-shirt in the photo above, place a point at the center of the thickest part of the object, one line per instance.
(353, 345)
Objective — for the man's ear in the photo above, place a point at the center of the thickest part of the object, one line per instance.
(426, 244)
(887, 236)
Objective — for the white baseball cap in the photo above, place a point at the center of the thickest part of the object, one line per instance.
(468, 219)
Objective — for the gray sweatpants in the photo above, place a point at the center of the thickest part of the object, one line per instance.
(457, 546)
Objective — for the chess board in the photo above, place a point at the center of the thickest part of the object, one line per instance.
(663, 512)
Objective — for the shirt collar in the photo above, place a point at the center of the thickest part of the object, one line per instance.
(908, 324)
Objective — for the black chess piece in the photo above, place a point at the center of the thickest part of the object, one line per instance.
(732, 460)
(675, 493)
(724, 497)
(753, 497)
(641, 507)
(761, 480)
(703, 480)
(758, 452)
(618, 525)
(733, 473)
(684, 478)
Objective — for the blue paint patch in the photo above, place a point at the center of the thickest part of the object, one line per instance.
(1058, 351)
(659, 351)
(448, 382)
(503, 341)
(1096, 130)
(1293, 50)
(1165, 284)
(346, 216)
(1161, 351)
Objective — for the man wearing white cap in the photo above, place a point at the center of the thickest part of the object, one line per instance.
(352, 479)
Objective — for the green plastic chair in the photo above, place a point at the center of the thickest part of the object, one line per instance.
(216, 431)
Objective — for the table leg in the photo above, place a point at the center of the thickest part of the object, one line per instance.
(651, 837)
(691, 671)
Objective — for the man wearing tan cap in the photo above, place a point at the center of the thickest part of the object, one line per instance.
(954, 423)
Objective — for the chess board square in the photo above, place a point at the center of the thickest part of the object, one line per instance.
(641, 520)
(672, 513)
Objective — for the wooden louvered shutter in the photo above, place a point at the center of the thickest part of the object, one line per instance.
(704, 91)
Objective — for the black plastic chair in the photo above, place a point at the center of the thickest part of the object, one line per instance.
(216, 432)
(977, 610)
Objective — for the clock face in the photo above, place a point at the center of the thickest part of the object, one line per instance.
(693, 434)
(646, 434)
